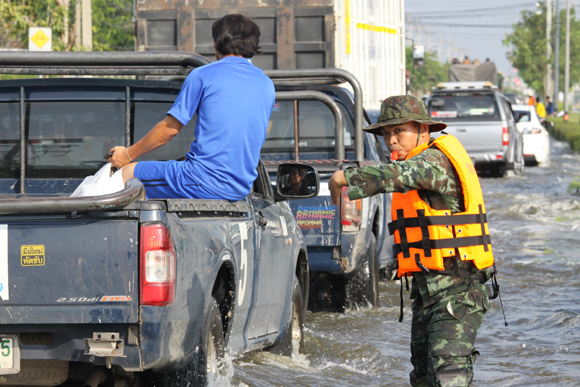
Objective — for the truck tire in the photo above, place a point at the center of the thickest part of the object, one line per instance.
(293, 341)
(207, 366)
(363, 289)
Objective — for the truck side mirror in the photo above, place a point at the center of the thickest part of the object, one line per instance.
(296, 181)
(419, 55)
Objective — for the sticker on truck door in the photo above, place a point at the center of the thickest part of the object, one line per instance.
(4, 283)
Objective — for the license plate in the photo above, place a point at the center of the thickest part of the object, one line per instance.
(9, 355)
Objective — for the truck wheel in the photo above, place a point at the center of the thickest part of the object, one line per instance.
(293, 341)
(363, 288)
(207, 366)
(210, 358)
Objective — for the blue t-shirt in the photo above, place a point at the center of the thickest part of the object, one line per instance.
(233, 100)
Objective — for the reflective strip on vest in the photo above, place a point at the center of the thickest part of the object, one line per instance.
(424, 236)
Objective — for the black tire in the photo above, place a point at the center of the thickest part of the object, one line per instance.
(293, 341)
(363, 289)
(207, 364)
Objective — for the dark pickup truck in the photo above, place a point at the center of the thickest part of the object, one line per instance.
(118, 290)
(349, 244)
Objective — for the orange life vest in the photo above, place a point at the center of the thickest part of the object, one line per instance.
(424, 236)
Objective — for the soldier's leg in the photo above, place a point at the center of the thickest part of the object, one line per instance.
(419, 344)
(452, 332)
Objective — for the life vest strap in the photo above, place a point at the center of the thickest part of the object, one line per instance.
(448, 243)
(453, 220)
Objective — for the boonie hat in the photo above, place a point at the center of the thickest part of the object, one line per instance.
(404, 108)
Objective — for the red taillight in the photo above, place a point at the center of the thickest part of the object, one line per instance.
(157, 273)
(505, 136)
(350, 210)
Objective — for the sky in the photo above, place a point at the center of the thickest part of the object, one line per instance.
(476, 27)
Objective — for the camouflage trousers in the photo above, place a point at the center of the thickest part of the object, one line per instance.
(443, 336)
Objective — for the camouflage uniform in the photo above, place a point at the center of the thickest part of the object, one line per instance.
(447, 311)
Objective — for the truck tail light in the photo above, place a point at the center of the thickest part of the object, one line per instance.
(505, 136)
(350, 210)
(157, 272)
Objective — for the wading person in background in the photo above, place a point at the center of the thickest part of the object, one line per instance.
(233, 100)
(441, 237)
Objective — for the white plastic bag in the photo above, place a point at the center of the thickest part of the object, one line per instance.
(101, 183)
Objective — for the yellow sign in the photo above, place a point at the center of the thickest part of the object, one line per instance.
(40, 38)
(32, 255)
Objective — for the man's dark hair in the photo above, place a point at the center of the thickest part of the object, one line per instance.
(236, 34)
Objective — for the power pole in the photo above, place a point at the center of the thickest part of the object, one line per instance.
(418, 32)
(567, 61)
(548, 89)
(78, 25)
(439, 51)
(557, 59)
(87, 25)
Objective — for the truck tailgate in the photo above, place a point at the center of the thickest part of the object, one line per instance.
(477, 137)
(73, 271)
(318, 218)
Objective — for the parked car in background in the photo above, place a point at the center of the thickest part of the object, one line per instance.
(482, 119)
(536, 137)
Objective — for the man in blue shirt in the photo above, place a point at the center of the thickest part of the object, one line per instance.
(233, 100)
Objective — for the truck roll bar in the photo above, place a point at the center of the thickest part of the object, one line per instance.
(341, 75)
(100, 63)
(311, 95)
(133, 190)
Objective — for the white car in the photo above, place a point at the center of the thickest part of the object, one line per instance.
(536, 137)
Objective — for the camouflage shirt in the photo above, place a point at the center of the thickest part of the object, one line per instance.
(432, 174)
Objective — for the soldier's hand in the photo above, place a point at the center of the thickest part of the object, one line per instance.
(335, 184)
(118, 157)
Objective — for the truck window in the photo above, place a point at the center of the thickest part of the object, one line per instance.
(146, 115)
(462, 106)
(315, 126)
(10, 140)
(68, 139)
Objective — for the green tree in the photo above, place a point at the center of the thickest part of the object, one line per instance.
(528, 47)
(112, 23)
(424, 78)
(113, 27)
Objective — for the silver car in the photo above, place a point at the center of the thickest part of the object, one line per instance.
(483, 120)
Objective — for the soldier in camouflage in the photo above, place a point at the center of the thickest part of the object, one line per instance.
(447, 310)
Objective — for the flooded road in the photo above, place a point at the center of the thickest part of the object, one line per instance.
(535, 230)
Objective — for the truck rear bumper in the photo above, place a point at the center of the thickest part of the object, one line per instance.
(344, 259)
(326, 259)
(69, 343)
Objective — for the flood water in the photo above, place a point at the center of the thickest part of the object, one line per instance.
(535, 229)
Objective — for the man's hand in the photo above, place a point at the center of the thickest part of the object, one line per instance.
(335, 184)
(118, 157)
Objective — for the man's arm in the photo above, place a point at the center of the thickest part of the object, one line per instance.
(161, 133)
(335, 184)
(428, 171)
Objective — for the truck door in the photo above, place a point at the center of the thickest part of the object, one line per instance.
(273, 260)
